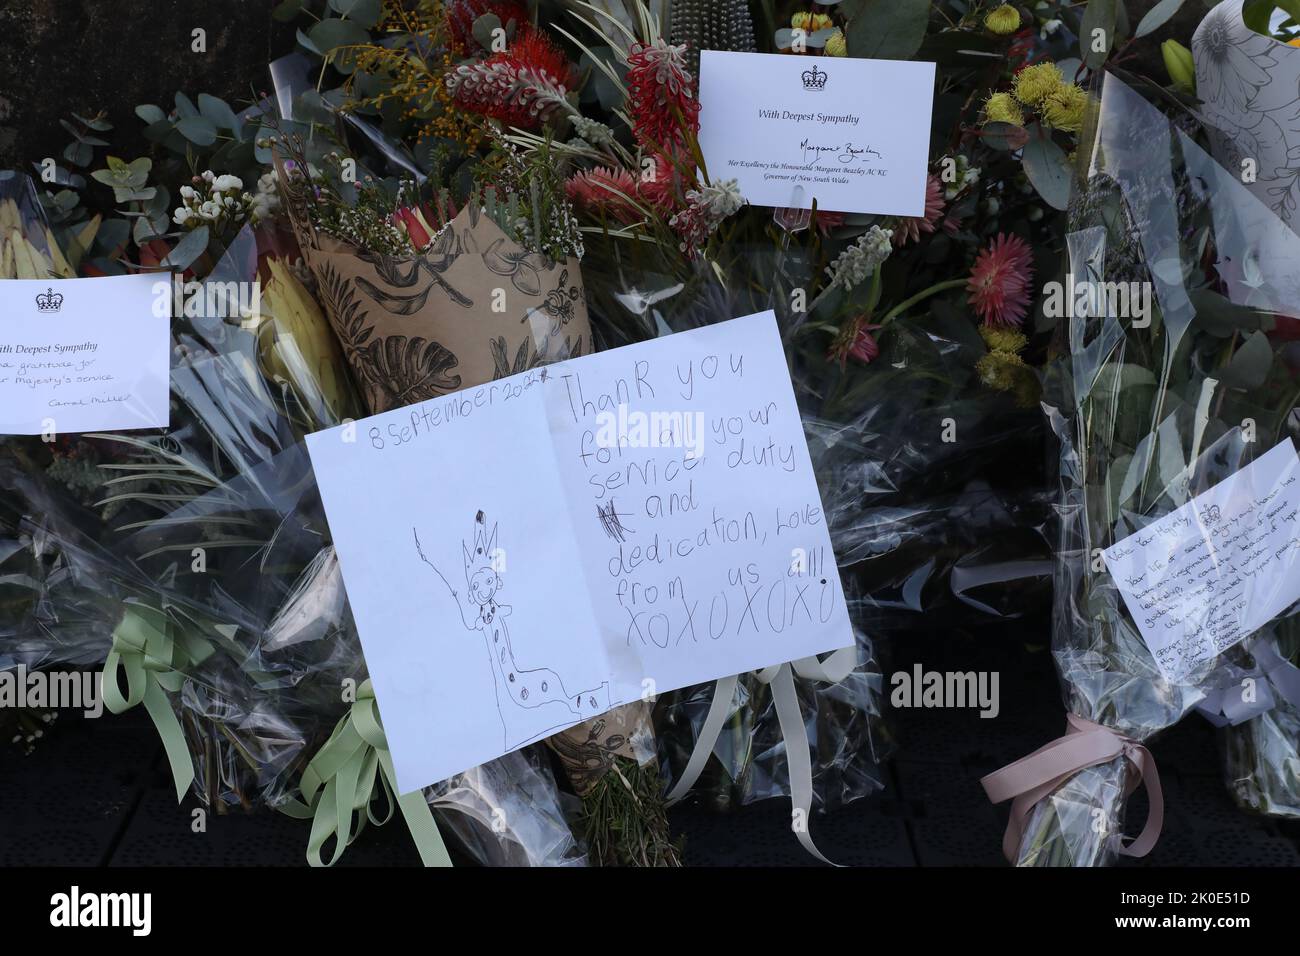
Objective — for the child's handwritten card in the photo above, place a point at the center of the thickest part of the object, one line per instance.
(525, 555)
(81, 355)
(1211, 573)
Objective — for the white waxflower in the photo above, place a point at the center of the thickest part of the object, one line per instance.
(210, 209)
(227, 184)
(181, 215)
(1049, 28)
(189, 192)
(209, 175)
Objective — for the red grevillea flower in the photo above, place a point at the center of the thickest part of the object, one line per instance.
(910, 228)
(604, 191)
(521, 86)
(999, 281)
(461, 15)
(865, 348)
(661, 94)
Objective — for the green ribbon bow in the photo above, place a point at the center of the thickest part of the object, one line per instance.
(341, 779)
(153, 657)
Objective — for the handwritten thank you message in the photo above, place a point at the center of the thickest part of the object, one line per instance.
(527, 554)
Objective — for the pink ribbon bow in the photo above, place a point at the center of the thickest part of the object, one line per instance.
(1085, 744)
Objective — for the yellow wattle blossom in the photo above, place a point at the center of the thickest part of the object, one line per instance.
(1000, 370)
(837, 44)
(1002, 340)
(1001, 108)
(1036, 83)
(1005, 19)
(1295, 42)
(811, 22)
(1065, 108)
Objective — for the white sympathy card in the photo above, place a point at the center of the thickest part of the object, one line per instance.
(527, 554)
(853, 134)
(83, 355)
(1210, 574)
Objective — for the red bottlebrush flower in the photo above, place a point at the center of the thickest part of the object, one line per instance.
(661, 94)
(999, 281)
(604, 191)
(865, 348)
(910, 228)
(461, 15)
(521, 86)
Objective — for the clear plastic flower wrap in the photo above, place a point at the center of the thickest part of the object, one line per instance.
(1154, 400)
(903, 450)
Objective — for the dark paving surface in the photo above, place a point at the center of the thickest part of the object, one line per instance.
(97, 792)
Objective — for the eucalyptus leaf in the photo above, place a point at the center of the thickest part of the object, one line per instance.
(150, 113)
(192, 245)
(1097, 30)
(1157, 16)
(1004, 136)
(364, 12)
(185, 107)
(485, 28)
(1047, 168)
(1250, 364)
(218, 112)
(198, 130)
(886, 29)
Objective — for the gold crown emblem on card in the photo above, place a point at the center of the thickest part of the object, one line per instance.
(49, 301)
(814, 79)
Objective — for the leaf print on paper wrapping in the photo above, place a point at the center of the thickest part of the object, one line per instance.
(350, 320)
(408, 370)
(524, 269)
(390, 271)
(561, 303)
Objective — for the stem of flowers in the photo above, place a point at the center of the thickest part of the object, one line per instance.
(921, 296)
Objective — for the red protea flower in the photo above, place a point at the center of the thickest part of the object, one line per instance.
(522, 86)
(604, 191)
(999, 281)
(910, 228)
(461, 15)
(661, 94)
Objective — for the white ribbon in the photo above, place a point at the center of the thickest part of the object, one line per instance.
(780, 678)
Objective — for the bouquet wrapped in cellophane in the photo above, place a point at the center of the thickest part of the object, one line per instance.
(1178, 370)
(903, 335)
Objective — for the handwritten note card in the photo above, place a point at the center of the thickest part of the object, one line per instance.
(525, 555)
(79, 355)
(853, 134)
(1208, 575)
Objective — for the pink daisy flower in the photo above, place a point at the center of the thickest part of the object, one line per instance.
(910, 228)
(999, 281)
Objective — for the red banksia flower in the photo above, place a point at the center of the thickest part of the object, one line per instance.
(999, 281)
(661, 94)
(522, 86)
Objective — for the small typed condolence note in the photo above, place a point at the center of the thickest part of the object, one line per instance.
(81, 355)
(525, 555)
(1208, 575)
(852, 134)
